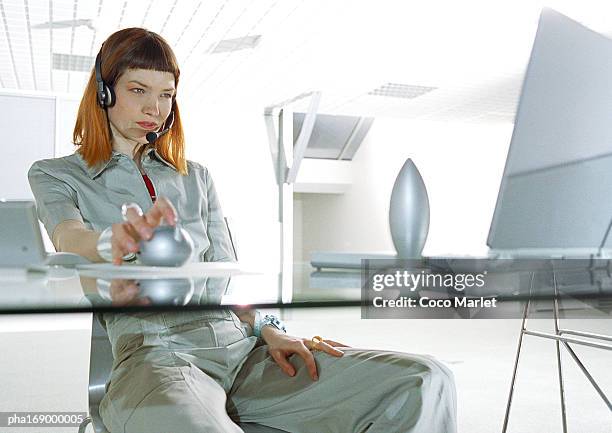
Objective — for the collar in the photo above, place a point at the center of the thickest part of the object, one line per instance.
(156, 154)
(96, 170)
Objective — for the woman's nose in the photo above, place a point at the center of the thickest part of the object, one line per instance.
(151, 107)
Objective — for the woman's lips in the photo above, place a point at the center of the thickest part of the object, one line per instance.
(147, 125)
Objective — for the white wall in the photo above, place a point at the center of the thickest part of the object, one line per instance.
(66, 109)
(461, 165)
(233, 144)
(35, 127)
(28, 126)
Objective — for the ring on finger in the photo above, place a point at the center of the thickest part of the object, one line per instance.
(126, 206)
(316, 340)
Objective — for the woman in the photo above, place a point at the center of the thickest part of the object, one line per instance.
(203, 371)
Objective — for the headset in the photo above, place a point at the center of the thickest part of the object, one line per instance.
(106, 98)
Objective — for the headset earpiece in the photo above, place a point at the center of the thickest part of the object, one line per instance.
(110, 96)
(105, 93)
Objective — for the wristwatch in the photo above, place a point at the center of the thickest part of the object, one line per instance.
(267, 320)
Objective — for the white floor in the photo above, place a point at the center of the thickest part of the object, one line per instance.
(44, 366)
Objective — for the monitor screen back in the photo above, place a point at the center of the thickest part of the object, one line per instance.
(556, 191)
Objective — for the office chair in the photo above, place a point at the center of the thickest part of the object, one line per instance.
(100, 364)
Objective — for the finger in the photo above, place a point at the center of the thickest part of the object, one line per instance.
(335, 343)
(131, 231)
(123, 293)
(140, 301)
(324, 346)
(122, 243)
(283, 362)
(127, 238)
(163, 209)
(140, 225)
(119, 284)
(168, 210)
(309, 360)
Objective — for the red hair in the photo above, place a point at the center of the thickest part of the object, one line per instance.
(131, 48)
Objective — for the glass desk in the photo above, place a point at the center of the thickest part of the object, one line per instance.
(568, 288)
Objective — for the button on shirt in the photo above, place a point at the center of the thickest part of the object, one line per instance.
(67, 189)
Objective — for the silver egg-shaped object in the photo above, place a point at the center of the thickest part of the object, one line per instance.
(409, 212)
(169, 246)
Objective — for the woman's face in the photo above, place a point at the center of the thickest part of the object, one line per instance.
(143, 102)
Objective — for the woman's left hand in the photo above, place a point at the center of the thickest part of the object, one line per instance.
(281, 346)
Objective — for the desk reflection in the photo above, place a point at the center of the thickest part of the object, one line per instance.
(583, 283)
(120, 292)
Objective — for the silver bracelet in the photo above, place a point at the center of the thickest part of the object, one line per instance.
(103, 287)
(267, 320)
(104, 246)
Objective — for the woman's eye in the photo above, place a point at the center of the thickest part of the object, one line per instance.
(167, 95)
(138, 90)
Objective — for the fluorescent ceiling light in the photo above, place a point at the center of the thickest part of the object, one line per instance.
(236, 44)
(71, 62)
(406, 91)
(65, 24)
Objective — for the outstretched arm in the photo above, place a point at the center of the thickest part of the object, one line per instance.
(72, 236)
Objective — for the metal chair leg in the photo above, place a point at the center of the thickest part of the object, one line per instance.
(588, 375)
(84, 424)
(559, 339)
(561, 388)
(558, 346)
(516, 360)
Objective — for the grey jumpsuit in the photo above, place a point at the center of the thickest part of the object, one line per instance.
(186, 372)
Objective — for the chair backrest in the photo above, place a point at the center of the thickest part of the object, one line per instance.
(231, 236)
(100, 365)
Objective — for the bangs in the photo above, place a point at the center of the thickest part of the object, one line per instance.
(149, 52)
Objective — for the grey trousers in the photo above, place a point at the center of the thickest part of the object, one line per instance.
(176, 375)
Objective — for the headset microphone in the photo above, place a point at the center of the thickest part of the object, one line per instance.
(152, 136)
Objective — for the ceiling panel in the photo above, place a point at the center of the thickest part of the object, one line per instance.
(196, 30)
(182, 19)
(284, 64)
(473, 52)
(16, 39)
(255, 67)
(143, 14)
(216, 69)
(222, 25)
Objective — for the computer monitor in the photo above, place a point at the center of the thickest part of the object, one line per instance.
(21, 242)
(556, 190)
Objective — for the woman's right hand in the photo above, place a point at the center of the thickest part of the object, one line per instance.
(127, 293)
(127, 235)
